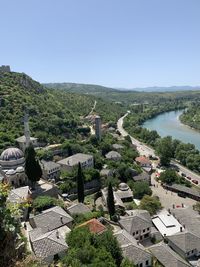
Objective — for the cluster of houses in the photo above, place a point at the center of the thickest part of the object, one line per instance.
(176, 245)
(170, 238)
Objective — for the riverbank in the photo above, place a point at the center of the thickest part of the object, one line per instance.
(169, 124)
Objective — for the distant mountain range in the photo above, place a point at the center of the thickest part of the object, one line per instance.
(162, 89)
(98, 89)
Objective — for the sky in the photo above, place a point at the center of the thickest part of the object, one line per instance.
(124, 44)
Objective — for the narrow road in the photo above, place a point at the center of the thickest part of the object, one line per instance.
(141, 147)
(147, 151)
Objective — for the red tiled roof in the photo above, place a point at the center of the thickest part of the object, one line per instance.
(94, 226)
(143, 159)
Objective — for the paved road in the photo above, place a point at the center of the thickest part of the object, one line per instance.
(147, 151)
(189, 173)
(141, 147)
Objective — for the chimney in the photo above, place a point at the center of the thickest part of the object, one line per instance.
(57, 234)
(61, 219)
(181, 229)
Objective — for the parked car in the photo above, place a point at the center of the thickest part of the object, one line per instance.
(189, 178)
(195, 181)
(183, 174)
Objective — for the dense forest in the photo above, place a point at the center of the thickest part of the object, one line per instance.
(191, 116)
(54, 114)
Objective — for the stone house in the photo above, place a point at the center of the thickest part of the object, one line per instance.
(185, 244)
(138, 224)
(133, 250)
(50, 170)
(86, 161)
(166, 256)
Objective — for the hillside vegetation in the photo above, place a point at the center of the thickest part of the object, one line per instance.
(54, 115)
(127, 97)
(191, 116)
(80, 88)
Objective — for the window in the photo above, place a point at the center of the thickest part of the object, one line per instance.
(143, 230)
(148, 229)
(141, 264)
(133, 233)
(147, 263)
(136, 232)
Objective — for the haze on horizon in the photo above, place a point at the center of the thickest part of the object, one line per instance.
(134, 43)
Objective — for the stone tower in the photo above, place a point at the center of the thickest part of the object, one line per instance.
(5, 68)
(27, 130)
(98, 127)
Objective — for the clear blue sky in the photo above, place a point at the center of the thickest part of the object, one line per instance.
(119, 43)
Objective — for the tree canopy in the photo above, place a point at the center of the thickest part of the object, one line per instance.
(110, 201)
(32, 166)
(151, 204)
(80, 184)
(87, 249)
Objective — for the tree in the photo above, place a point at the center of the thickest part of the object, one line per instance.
(103, 258)
(127, 263)
(32, 166)
(44, 202)
(111, 245)
(110, 201)
(168, 177)
(88, 249)
(151, 204)
(80, 184)
(9, 229)
(164, 148)
(140, 189)
(197, 207)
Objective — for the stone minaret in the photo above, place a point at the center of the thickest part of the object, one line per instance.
(27, 130)
(98, 127)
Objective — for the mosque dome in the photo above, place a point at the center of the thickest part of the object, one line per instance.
(10, 172)
(20, 169)
(11, 153)
(123, 187)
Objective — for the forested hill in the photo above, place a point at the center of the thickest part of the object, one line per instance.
(80, 88)
(54, 114)
(191, 116)
(127, 97)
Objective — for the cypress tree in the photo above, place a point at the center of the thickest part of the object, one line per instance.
(110, 201)
(80, 184)
(32, 166)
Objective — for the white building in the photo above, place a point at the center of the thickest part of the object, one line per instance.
(12, 166)
(166, 223)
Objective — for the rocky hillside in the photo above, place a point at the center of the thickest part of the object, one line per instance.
(54, 114)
